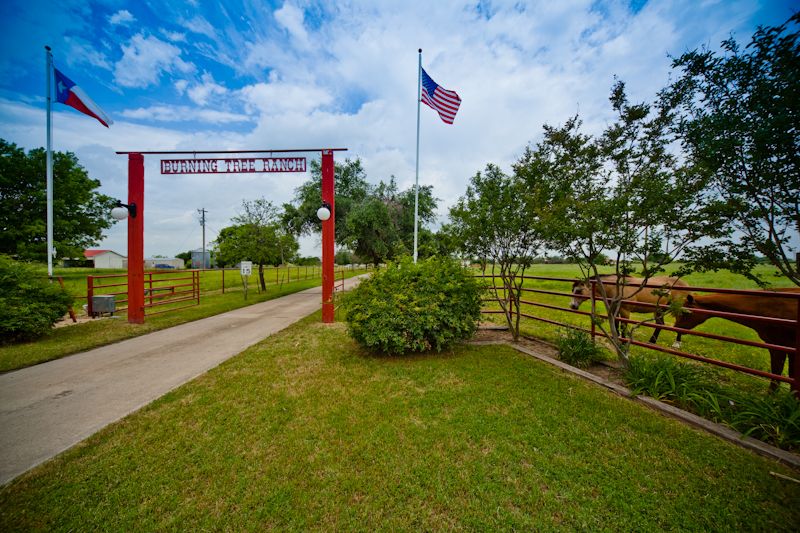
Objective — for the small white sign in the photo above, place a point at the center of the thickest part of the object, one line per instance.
(247, 268)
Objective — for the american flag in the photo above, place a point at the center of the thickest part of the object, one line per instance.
(439, 99)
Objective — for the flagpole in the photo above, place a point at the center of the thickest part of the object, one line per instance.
(49, 93)
(416, 182)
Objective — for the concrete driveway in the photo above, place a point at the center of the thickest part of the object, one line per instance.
(47, 408)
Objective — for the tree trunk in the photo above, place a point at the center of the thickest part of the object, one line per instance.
(261, 277)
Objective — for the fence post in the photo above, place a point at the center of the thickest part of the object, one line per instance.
(591, 291)
(794, 369)
(223, 280)
(90, 295)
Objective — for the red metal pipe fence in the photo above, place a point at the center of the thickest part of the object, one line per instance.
(161, 288)
(791, 351)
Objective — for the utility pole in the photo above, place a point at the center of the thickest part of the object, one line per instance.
(203, 212)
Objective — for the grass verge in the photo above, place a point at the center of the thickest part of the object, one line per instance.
(307, 431)
(81, 337)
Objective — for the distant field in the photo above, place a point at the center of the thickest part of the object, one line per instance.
(752, 357)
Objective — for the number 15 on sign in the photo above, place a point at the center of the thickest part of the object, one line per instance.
(247, 269)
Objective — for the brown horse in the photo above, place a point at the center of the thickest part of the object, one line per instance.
(633, 291)
(767, 306)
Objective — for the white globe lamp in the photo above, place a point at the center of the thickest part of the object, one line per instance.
(324, 213)
(120, 213)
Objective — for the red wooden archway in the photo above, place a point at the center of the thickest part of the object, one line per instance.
(136, 225)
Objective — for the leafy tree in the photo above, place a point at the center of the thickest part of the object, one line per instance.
(257, 235)
(186, 256)
(405, 220)
(740, 125)
(624, 195)
(375, 222)
(371, 231)
(80, 213)
(381, 227)
(350, 186)
(344, 257)
(307, 261)
(496, 220)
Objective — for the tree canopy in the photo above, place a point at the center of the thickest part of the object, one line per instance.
(496, 220)
(350, 184)
(381, 227)
(80, 212)
(376, 222)
(257, 235)
(739, 123)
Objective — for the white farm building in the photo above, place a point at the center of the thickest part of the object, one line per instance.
(105, 258)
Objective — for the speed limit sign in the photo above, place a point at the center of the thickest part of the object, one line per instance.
(247, 268)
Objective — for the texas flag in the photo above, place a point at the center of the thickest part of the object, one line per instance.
(70, 94)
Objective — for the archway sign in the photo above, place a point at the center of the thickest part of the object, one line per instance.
(230, 164)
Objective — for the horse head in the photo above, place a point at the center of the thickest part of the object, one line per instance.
(688, 319)
(580, 292)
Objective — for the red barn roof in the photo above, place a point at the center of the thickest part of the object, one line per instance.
(88, 254)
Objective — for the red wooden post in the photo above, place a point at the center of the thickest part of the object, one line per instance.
(327, 237)
(89, 295)
(136, 239)
(591, 291)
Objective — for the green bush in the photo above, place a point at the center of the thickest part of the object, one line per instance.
(576, 348)
(29, 303)
(407, 307)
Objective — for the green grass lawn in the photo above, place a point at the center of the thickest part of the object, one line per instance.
(307, 431)
(80, 337)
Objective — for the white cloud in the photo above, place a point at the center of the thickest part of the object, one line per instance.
(202, 92)
(180, 86)
(174, 36)
(121, 17)
(291, 18)
(162, 113)
(145, 59)
(81, 52)
(279, 98)
(344, 75)
(198, 24)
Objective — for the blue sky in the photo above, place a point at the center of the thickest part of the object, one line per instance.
(186, 75)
